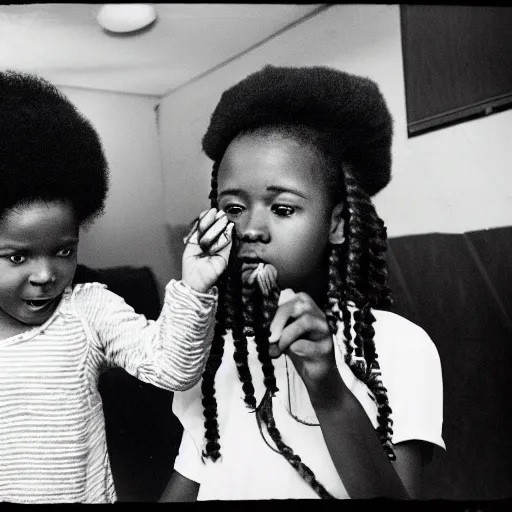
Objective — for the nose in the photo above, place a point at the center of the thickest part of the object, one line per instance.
(42, 274)
(253, 227)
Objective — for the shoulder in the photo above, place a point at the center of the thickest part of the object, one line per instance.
(94, 297)
(406, 353)
(395, 335)
(412, 374)
(88, 291)
(84, 288)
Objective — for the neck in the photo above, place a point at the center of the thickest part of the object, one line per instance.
(10, 327)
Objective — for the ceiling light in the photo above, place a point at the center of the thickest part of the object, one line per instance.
(126, 18)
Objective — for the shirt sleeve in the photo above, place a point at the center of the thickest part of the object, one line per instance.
(188, 461)
(411, 373)
(170, 352)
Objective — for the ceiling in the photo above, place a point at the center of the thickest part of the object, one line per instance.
(64, 44)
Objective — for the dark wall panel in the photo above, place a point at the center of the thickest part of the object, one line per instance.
(457, 62)
(457, 304)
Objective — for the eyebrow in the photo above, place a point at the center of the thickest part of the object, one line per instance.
(271, 188)
(274, 188)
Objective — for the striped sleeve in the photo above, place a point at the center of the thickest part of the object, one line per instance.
(170, 352)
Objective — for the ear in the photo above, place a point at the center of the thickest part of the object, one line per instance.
(336, 232)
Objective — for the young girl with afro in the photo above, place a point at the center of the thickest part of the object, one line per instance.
(55, 339)
(339, 398)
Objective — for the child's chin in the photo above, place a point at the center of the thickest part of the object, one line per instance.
(33, 321)
(36, 318)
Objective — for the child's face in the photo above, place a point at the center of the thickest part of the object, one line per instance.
(274, 190)
(38, 254)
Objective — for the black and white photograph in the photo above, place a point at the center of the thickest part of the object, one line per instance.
(252, 253)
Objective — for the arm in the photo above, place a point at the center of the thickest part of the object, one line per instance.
(169, 353)
(179, 489)
(300, 330)
(411, 458)
(355, 449)
(187, 462)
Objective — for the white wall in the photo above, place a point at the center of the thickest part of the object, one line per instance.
(132, 231)
(452, 180)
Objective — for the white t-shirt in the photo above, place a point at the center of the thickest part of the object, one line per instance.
(249, 469)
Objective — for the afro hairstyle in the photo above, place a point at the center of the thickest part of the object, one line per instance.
(347, 107)
(48, 150)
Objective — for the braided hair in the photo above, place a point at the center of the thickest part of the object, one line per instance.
(344, 119)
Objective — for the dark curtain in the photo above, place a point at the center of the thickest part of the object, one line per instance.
(143, 435)
(459, 289)
(456, 287)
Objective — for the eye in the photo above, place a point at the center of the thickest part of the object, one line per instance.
(65, 253)
(282, 210)
(233, 209)
(17, 259)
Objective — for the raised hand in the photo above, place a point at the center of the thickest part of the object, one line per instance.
(207, 248)
(300, 330)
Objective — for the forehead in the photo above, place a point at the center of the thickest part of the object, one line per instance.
(262, 160)
(39, 221)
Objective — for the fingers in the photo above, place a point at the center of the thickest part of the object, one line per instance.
(192, 234)
(274, 351)
(210, 228)
(300, 304)
(223, 241)
(211, 231)
(294, 319)
(308, 326)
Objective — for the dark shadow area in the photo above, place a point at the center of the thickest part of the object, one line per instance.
(143, 435)
(459, 289)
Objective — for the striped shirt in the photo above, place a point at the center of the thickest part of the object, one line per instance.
(52, 429)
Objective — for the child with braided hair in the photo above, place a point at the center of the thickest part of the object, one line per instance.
(55, 338)
(341, 398)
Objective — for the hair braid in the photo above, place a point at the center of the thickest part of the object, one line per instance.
(241, 324)
(265, 413)
(241, 352)
(214, 185)
(366, 248)
(378, 273)
(225, 318)
(265, 309)
(212, 446)
(334, 287)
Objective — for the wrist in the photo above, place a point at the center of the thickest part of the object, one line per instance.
(329, 391)
(195, 286)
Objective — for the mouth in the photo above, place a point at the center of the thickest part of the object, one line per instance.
(249, 257)
(249, 263)
(36, 305)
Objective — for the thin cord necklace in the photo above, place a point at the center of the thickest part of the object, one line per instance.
(296, 418)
